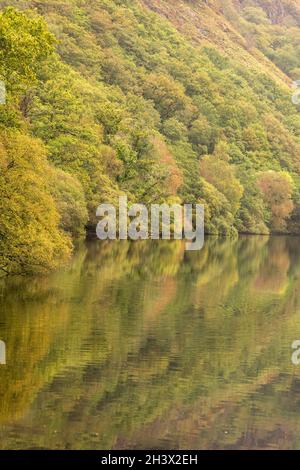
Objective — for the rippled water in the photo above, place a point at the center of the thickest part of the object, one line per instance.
(144, 345)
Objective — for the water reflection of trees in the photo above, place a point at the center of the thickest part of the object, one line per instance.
(135, 339)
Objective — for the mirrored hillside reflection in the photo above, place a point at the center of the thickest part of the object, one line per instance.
(145, 345)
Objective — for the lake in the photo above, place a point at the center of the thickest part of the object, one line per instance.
(147, 346)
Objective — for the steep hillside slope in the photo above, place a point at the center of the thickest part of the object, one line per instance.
(165, 100)
(219, 24)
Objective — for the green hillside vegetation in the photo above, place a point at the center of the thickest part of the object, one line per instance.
(161, 100)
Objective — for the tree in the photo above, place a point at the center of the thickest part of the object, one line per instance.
(70, 202)
(168, 95)
(277, 190)
(217, 171)
(25, 42)
(30, 237)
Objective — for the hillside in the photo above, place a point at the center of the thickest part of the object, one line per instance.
(164, 100)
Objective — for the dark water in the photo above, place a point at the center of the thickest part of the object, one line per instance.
(144, 345)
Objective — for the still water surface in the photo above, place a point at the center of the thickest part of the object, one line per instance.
(144, 345)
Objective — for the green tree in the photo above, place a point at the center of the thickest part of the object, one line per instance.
(30, 237)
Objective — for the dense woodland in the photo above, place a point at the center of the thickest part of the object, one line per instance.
(164, 100)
